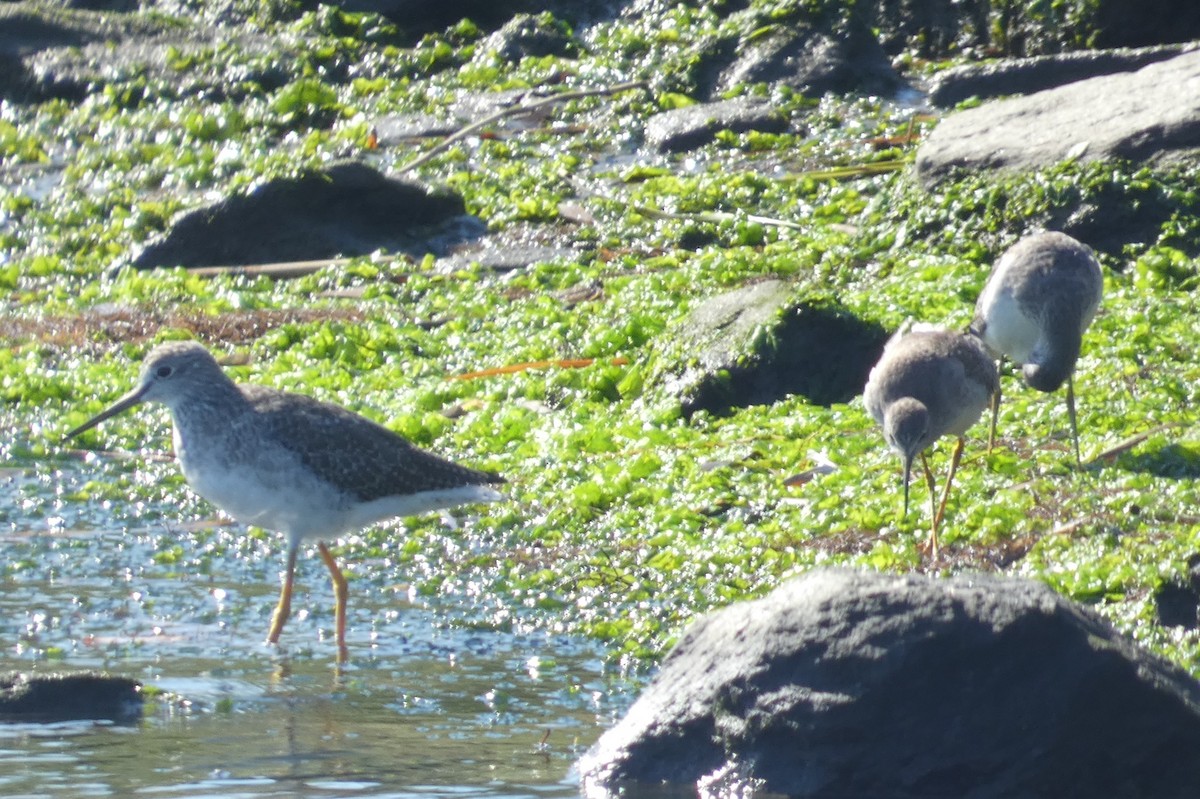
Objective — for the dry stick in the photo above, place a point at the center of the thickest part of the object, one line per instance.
(517, 110)
(282, 269)
(852, 171)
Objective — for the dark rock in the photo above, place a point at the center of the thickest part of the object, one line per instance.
(814, 62)
(941, 28)
(1177, 602)
(422, 16)
(117, 6)
(27, 30)
(349, 209)
(418, 17)
(15, 80)
(1141, 23)
(1177, 606)
(1151, 115)
(931, 28)
(760, 343)
(52, 53)
(1029, 75)
(843, 683)
(530, 36)
(693, 126)
(1118, 215)
(66, 697)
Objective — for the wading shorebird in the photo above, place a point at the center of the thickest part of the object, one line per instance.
(1039, 299)
(930, 382)
(290, 463)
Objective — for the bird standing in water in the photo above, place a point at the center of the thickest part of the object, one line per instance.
(290, 463)
(930, 382)
(1038, 301)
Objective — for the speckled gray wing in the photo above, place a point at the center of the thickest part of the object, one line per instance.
(357, 455)
(979, 366)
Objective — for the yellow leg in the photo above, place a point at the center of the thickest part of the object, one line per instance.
(941, 510)
(284, 608)
(995, 409)
(339, 600)
(929, 482)
(932, 486)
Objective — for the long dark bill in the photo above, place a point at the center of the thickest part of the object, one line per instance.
(123, 404)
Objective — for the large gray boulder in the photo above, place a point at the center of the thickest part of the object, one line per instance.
(845, 683)
(1010, 76)
(1152, 114)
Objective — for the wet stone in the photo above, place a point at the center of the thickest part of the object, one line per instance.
(530, 36)
(348, 209)
(693, 126)
(68, 697)
(814, 62)
(501, 256)
(60, 53)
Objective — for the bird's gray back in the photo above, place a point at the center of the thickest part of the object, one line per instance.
(1054, 278)
(361, 458)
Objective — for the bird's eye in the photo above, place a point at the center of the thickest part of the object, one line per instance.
(163, 371)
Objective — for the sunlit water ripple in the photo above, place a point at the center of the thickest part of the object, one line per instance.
(430, 705)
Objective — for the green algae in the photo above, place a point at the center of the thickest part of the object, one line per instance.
(624, 520)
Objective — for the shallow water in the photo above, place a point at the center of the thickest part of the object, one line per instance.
(430, 704)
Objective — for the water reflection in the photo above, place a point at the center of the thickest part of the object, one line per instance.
(429, 706)
(476, 723)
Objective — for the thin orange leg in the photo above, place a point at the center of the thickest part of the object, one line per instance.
(339, 600)
(931, 484)
(284, 608)
(995, 402)
(941, 511)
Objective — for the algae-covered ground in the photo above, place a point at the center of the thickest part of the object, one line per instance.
(624, 520)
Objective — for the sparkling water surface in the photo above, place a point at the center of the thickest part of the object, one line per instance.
(433, 703)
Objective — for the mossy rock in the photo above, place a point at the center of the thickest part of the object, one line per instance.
(762, 342)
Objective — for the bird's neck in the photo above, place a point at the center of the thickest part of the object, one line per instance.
(212, 410)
